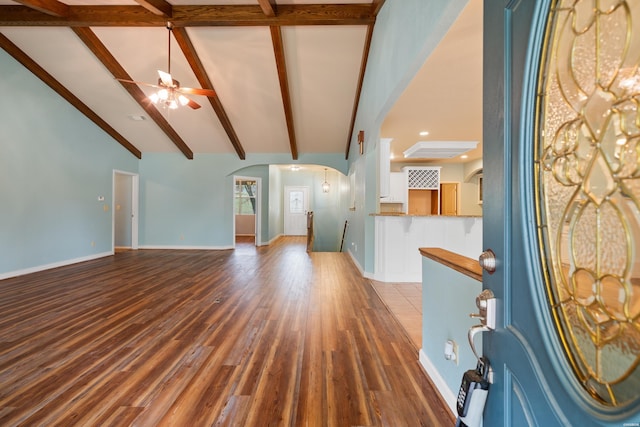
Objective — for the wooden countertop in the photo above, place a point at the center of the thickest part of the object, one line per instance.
(423, 216)
(462, 264)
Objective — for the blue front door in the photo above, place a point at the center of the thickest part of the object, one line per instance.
(563, 353)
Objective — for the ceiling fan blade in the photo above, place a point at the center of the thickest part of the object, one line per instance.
(137, 83)
(193, 104)
(165, 78)
(196, 91)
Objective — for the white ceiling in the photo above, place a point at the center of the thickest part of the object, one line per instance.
(322, 65)
(445, 97)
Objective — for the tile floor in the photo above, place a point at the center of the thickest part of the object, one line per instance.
(405, 302)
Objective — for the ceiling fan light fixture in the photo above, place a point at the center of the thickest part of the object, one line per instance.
(183, 100)
(163, 94)
(154, 98)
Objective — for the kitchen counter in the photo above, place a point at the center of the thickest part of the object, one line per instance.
(398, 239)
(422, 216)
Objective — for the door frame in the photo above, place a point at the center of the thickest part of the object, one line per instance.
(258, 219)
(135, 204)
(457, 197)
(285, 200)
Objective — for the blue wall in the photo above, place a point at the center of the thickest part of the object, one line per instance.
(405, 33)
(54, 164)
(189, 203)
(448, 297)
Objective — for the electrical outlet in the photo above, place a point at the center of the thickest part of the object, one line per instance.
(451, 351)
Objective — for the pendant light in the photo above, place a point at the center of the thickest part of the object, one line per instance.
(325, 184)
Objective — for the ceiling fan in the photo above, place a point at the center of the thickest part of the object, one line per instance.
(170, 94)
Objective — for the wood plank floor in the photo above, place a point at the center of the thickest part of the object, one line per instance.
(268, 336)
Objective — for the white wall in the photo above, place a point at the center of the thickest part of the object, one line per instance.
(245, 225)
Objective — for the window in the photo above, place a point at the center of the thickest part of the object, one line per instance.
(245, 197)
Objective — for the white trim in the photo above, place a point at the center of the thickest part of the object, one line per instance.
(135, 207)
(272, 240)
(439, 382)
(360, 269)
(288, 227)
(35, 269)
(258, 213)
(177, 248)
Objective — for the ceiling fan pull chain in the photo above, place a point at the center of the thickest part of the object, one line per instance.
(169, 27)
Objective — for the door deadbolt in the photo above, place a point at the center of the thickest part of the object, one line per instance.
(487, 261)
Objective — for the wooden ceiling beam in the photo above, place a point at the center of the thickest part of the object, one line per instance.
(192, 57)
(50, 7)
(356, 101)
(157, 7)
(58, 87)
(278, 49)
(268, 7)
(186, 16)
(377, 5)
(89, 38)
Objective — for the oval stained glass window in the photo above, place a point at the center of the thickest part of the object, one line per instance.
(588, 190)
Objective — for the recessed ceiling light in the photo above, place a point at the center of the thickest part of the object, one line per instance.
(424, 133)
(391, 156)
(464, 156)
(295, 168)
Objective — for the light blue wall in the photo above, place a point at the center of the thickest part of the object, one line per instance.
(276, 224)
(448, 297)
(54, 164)
(189, 203)
(405, 33)
(329, 208)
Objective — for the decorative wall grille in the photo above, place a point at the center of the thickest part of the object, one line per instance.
(424, 178)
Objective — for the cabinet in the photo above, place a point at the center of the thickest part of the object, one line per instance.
(423, 184)
(397, 188)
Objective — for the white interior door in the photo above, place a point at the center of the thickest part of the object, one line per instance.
(296, 206)
(125, 210)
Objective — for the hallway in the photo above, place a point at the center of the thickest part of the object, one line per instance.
(253, 337)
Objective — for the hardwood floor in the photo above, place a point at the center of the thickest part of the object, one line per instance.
(253, 337)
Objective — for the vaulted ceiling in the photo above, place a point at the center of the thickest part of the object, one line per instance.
(286, 73)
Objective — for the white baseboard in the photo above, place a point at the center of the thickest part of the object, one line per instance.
(397, 278)
(272, 240)
(178, 248)
(355, 262)
(439, 382)
(35, 269)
